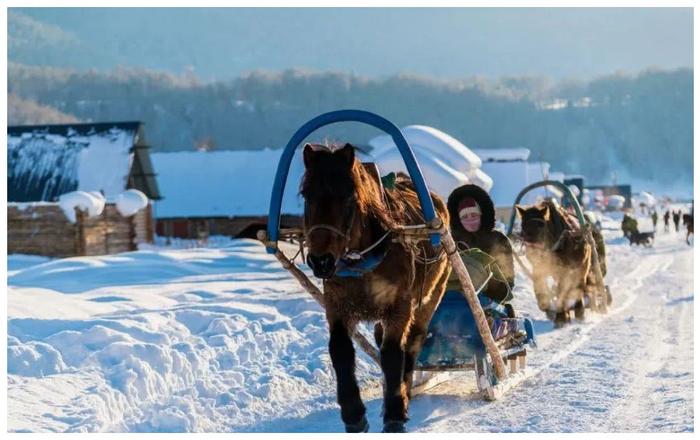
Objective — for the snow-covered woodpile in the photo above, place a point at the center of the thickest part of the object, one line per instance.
(44, 229)
(79, 189)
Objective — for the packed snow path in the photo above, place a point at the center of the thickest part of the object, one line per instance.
(225, 340)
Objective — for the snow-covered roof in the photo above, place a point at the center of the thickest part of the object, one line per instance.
(47, 161)
(503, 154)
(446, 163)
(223, 183)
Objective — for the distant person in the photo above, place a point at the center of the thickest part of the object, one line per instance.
(677, 219)
(667, 218)
(688, 222)
(654, 218)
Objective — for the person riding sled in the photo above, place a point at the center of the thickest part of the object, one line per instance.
(472, 223)
(488, 257)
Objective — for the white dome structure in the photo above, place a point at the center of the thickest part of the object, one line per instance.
(446, 163)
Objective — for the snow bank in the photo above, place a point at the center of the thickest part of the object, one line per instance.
(225, 340)
(445, 162)
(167, 340)
(36, 359)
(90, 202)
(130, 202)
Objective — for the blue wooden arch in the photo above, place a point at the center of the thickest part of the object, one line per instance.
(556, 184)
(364, 117)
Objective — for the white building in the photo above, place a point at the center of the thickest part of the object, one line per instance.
(511, 172)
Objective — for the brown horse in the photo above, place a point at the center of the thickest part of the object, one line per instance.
(348, 220)
(554, 249)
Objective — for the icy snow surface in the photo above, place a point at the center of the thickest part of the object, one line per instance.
(223, 339)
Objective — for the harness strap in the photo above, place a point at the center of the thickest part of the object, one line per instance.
(558, 243)
(356, 255)
(327, 227)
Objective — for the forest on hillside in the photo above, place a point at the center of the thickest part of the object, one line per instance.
(639, 125)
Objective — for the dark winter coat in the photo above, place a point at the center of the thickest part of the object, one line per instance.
(487, 239)
(629, 225)
(676, 218)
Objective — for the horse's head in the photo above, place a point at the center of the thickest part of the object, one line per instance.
(534, 222)
(330, 205)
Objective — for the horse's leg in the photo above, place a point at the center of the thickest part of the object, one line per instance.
(342, 353)
(393, 358)
(421, 321)
(539, 283)
(565, 291)
(414, 342)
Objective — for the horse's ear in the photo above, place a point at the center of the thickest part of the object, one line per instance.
(308, 154)
(545, 212)
(347, 153)
(520, 210)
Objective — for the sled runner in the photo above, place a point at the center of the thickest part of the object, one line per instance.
(487, 354)
(554, 240)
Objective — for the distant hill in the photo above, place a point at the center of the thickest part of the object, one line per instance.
(441, 42)
(637, 125)
(28, 112)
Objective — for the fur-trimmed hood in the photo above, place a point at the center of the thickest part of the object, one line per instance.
(488, 213)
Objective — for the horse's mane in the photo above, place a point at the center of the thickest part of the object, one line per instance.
(396, 207)
(391, 208)
(559, 219)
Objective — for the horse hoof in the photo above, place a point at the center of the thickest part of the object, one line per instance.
(361, 426)
(394, 426)
(560, 319)
(551, 315)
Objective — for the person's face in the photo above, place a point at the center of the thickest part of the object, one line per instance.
(471, 221)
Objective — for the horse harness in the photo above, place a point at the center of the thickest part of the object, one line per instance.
(355, 263)
(569, 230)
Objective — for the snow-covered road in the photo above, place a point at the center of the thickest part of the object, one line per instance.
(225, 340)
(631, 370)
